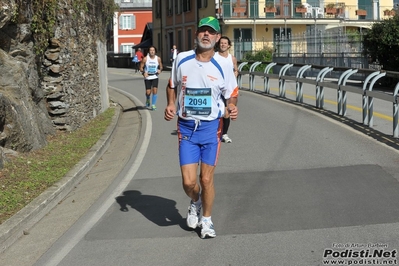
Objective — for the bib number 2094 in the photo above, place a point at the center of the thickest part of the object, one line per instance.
(198, 102)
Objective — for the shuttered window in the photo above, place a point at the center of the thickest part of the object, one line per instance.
(127, 22)
(126, 48)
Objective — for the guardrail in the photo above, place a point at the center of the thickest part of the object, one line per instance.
(341, 87)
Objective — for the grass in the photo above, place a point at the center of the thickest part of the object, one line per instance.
(28, 175)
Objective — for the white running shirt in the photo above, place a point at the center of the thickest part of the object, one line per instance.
(151, 67)
(200, 86)
(230, 59)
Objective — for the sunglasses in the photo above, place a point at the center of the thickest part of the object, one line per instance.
(210, 30)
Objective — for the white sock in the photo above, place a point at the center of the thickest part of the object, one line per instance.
(206, 219)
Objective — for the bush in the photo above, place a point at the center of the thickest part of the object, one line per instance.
(265, 56)
(381, 43)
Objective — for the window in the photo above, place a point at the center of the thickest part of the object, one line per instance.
(127, 22)
(202, 3)
(157, 9)
(314, 3)
(126, 48)
(242, 42)
(159, 40)
(186, 5)
(179, 39)
(189, 40)
(170, 7)
(178, 7)
(282, 38)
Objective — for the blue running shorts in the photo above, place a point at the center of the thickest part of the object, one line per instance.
(199, 143)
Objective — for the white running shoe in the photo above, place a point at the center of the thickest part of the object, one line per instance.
(207, 231)
(225, 138)
(193, 215)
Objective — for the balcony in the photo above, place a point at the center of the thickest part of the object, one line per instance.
(389, 12)
(126, 4)
(239, 10)
(286, 10)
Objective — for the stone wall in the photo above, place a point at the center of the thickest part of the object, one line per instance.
(71, 86)
(58, 90)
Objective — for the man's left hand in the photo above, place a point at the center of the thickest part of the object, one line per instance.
(233, 111)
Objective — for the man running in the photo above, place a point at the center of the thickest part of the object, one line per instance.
(223, 47)
(151, 67)
(198, 81)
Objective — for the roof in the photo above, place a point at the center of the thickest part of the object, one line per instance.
(145, 44)
(146, 40)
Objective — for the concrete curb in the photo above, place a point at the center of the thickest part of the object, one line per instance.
(22, 221)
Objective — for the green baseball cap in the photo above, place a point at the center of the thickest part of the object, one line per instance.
(210, 22)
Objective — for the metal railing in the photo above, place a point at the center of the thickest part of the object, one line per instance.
(340, 85)
(338, 48)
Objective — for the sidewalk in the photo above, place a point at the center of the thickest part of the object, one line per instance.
(113, 149)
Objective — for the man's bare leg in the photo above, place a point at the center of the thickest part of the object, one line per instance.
(208, 188)
(189, 179)
(192, 189)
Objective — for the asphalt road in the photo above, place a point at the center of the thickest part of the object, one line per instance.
(295, 187)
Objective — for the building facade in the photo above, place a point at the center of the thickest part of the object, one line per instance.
(129, 24)
(175, 22)
(256, 24)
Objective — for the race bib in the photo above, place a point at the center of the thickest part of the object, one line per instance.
(198, 102)
(152, 69)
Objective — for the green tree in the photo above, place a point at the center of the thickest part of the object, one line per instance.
(265, 56)
(381, 43)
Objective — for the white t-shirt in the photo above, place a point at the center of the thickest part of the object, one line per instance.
(200, 86)
(151, 67)
(230, 59)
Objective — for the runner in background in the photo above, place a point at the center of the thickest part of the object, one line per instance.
(223, 47)
(138, 57)
(173, 54)
(151, 67)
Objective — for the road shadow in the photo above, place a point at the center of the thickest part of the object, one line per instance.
(160, 211)
(136, 108)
